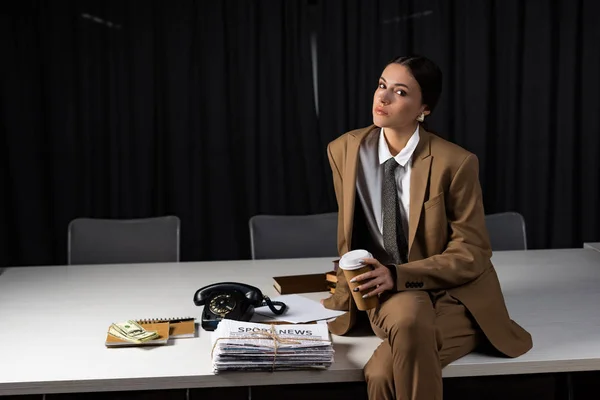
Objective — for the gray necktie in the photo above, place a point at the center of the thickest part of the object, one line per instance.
(394, 239)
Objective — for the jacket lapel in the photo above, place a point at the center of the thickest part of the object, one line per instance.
(419, 181)
(351, 164)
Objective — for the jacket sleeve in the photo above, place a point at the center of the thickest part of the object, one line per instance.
(468, 251)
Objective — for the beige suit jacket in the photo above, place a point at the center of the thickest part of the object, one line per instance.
(449, 248)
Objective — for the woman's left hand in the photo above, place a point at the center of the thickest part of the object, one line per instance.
(381, 278)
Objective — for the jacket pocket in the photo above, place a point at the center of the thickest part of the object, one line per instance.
(435, 225)
(438, 199)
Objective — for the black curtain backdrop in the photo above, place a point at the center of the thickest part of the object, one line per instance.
(205, 110)
(112, 109)
(521, 88)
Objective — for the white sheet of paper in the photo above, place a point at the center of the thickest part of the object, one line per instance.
(300, 309)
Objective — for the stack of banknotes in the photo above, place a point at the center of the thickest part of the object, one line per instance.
(131, 331)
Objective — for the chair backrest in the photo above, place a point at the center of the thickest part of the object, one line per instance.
(507, 231)
(114, 241)
(293, 236)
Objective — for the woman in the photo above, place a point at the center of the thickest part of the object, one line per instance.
(414, 201)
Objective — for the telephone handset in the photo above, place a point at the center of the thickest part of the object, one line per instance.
(231, 300)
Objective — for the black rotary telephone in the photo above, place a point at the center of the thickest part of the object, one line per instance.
(232, 301)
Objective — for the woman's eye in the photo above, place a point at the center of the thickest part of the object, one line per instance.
(381, 86)
(401, 92)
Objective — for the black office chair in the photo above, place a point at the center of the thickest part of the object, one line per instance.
(114, 241)
(293, 236)
(507, 231)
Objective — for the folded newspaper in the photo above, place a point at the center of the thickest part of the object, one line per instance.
(246, 346)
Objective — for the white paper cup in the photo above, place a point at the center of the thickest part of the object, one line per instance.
(351, 260)
(351, 265)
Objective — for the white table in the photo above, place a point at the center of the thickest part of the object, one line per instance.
(53, 323)
(593, 245)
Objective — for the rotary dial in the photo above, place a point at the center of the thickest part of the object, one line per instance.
(222, 304)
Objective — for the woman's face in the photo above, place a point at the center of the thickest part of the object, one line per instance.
(397, 100)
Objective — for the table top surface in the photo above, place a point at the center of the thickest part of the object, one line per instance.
(592, 245)
(53, 323)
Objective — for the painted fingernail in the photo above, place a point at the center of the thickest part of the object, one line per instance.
(352, 280)
(365, 296)
(355, 289)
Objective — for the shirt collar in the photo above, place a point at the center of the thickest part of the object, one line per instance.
(404, 155)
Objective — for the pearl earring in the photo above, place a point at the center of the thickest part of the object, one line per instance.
(421, 117)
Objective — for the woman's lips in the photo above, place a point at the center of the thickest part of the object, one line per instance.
(380, 111)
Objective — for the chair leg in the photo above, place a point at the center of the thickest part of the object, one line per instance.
(570, 395)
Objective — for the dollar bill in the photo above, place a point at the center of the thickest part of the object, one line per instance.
(132, 332)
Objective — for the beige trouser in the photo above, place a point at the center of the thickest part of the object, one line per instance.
(423, 332)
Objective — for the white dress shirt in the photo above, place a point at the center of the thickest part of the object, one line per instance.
(374, 151)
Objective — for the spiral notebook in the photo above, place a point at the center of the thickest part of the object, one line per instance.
(179, 327)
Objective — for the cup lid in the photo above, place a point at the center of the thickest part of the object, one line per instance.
(351, 260)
